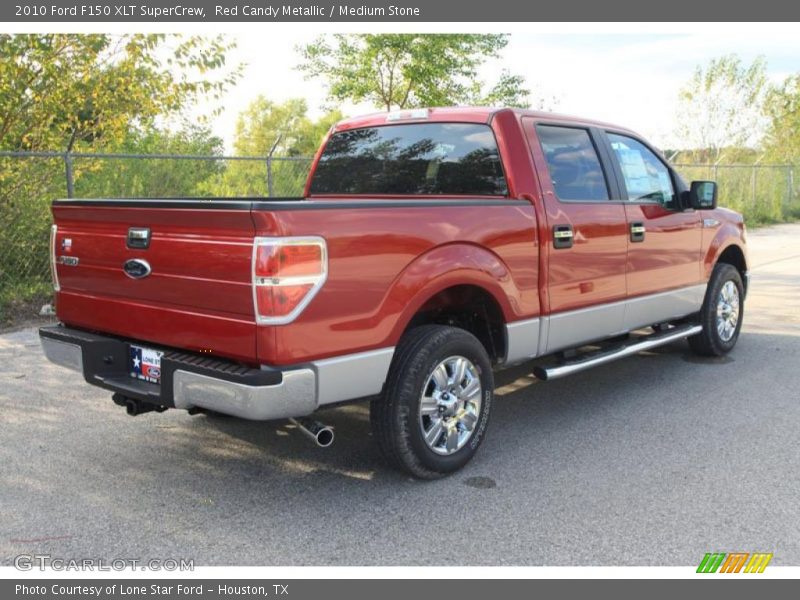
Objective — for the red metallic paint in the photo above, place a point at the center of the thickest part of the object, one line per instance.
(593, 270)
(378, 269)
(384, 263)
(729, 232)
(198, 296)
(670, 255)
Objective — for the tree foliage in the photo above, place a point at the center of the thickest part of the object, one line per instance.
(59, 90)
(722, 106)
(152, 178)
(782, 139)
(731, 114)
(411, 70)
(85, 93)
(284, 129)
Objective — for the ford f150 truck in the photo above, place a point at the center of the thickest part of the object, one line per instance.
(431, 247)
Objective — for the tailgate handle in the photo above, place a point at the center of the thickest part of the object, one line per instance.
(139, 237)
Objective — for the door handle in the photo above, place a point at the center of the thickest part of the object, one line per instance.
(562, 236)
(637, 231)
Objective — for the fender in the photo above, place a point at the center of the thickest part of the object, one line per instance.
(728, 234)
(451, 265)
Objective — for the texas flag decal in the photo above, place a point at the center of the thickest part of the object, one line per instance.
(145, 364)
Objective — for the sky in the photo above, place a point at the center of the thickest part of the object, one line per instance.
(630, 79)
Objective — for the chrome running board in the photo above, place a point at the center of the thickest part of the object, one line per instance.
(602, 357)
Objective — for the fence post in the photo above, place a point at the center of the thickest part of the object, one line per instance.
(269, 175)
(270, 190)
(68, 173)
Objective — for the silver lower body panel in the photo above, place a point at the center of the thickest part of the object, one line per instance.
(537, 337)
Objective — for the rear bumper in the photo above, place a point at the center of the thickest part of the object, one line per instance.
(187, 380)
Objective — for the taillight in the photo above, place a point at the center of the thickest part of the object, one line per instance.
(53, 270)
(287, 274)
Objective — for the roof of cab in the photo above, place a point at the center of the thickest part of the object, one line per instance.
(460, 114)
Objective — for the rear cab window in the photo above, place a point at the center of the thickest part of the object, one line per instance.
(575, 168)
(411, 159)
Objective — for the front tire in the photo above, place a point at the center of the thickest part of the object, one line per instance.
(721, 314)
(432, 416)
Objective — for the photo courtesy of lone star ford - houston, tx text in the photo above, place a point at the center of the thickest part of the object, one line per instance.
(297, 298)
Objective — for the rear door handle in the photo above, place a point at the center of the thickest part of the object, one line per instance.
(637, 231)
(562, 236)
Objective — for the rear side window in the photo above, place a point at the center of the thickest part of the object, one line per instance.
(575, 169)
(418, 158)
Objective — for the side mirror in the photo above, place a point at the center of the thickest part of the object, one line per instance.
(702, 195)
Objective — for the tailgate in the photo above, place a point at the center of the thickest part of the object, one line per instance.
(190, 287)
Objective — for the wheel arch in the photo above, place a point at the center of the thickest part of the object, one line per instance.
(732, 254)
(469, 307)
(728, 247)
(452, 282)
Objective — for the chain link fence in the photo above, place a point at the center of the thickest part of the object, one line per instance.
(762, 193)
(29, 181)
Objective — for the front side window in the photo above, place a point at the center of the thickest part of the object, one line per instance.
(646, 177)
(417, 158)
(572, 160)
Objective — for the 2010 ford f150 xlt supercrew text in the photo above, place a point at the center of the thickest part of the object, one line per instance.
(431, 248)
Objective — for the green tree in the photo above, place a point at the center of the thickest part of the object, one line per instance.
(59, 90)
(82, 93)
(283, 129)
(721, 107)
(782, 139)
(411, 70)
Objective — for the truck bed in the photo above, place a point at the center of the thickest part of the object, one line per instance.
(199, 295)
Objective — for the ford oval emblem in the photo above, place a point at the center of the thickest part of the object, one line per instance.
(136, 268)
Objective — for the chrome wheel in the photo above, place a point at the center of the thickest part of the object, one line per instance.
(450, 405)
(727, 311)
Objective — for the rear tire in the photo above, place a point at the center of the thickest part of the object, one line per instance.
(721, 314)
(432, 415)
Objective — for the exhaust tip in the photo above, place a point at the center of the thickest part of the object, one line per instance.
(325, 437)
(321, 434)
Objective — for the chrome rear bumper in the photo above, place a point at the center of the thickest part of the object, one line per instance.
(294, 396)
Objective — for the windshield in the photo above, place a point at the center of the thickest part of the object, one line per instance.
(418, 158)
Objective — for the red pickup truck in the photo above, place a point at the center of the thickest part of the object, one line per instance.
(431, 248)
